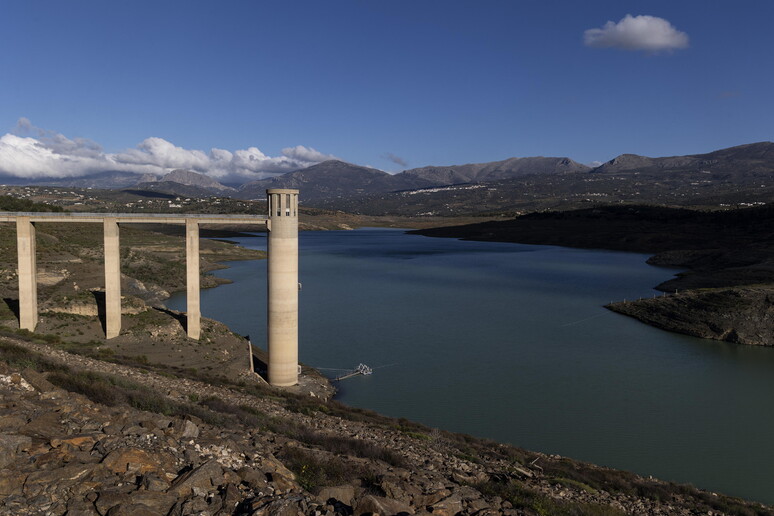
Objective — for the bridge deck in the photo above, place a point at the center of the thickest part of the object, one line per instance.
(143, 218)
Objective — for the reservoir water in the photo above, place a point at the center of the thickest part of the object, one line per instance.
(511, 342)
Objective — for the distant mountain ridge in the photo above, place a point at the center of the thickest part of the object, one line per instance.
(186, 177)
(108, 179)
(751, 157)
(333, 178)
(741, 175)
(496, 170)
(186, 183)
(336, 184)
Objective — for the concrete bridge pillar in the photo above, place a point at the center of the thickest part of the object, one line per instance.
(112, 278)
(283, 286)
(194, 314)
(28, 275)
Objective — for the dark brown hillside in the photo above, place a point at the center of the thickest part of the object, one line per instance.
(332, 179)
(645, 229)
(495, 171)
(739, 161)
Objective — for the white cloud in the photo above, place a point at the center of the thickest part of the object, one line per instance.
(302, 153)
(32, 158)
(637, 33)
(161, 153)
(48, 154)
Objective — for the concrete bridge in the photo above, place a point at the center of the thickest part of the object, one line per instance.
(282, 270)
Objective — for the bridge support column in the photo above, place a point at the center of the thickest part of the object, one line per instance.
(28, 275)
(112, 278)
(194, 315)
(283, 287)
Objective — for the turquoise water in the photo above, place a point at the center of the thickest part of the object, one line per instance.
(511, 342)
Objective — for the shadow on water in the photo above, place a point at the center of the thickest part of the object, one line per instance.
(13, 306)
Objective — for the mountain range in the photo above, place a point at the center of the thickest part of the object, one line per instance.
(746, 159)
(742, 175)
(336, 179)
(340, 185)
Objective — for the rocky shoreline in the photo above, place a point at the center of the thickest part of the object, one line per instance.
(737, 315)
(236, 452)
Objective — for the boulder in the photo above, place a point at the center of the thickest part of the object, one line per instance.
(344, 494)
(206, 477)
(110, 498)
(430, 498)
(11, 482)
(81, 507)
(11, 422)
(154, 482)
(82, 442)
(370, 504)
(132, 509)
(280, 507)
(255, 479)
(67, 477)
(46, 426)
(449, 506)
(281, 483)
(133, 460)
(159, 502)
(10, 445)
(38, 381)
(270, 464)
(230, 498)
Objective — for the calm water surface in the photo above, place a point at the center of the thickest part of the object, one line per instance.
(511, 342)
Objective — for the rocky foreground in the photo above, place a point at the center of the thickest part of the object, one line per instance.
(156, 444)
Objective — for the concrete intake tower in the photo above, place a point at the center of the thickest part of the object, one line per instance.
(282, 280)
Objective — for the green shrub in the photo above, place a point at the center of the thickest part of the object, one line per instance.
(418, 435)
(91, 385)
(522, 497)
(21, 358)
(314, 473)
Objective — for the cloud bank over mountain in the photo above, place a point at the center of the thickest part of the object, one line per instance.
(643, 32)
(32, 152)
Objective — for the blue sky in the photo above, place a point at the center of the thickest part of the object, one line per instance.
(391, 84)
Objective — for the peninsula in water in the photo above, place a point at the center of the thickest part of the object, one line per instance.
(726, 292)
